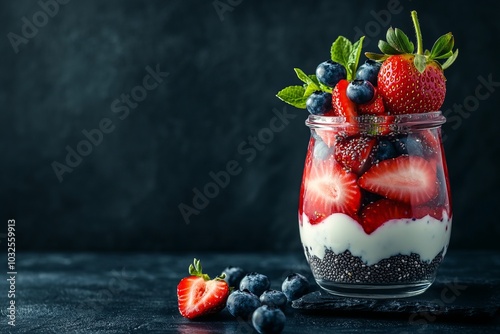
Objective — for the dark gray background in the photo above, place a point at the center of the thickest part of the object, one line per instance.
(223, 75)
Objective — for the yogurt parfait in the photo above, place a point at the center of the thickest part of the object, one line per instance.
(374, 208)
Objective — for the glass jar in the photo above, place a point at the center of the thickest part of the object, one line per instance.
(374, 211)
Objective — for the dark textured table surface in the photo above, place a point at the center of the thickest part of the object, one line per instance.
(136, 293)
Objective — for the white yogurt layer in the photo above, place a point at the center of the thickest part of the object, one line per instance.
(426, 237)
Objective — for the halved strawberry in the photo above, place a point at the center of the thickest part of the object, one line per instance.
(305, 176)
(430, 142)
(422, 211)
(342, 105)
(375, 107)
(354, 153)
(330, 189)
(409, 179)
(327, 136)
(199, 295)
(377, 213)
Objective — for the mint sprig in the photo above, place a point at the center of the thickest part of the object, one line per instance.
(293, 95)
(347, 54)
(343, 52)
(297, 95)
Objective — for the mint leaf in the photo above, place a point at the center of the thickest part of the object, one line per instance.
(354, 57)
(314, 79)
(347, 54)
(302, 76)
(319, 84)
(340, 51)
(311, 89)
(293, 95)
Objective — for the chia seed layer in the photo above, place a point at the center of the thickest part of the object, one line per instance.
(346, 268)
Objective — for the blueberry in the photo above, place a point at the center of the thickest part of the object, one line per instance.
(273, 298)
(267, 319)
(242, 303)
(369, 71)
(295, 286)
(409, 145)
(385, 150)
(319, 103)
(360, 91)
(329, 73)
(234, 276)
(255, 283)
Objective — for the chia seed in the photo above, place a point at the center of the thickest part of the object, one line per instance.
(347, 268)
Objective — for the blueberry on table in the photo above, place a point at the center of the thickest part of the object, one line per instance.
(273, 298)
(319, 103)
(360, 91)
(369, 71)
(255, 283)
(329, 73)
(268, 319)
(295, 286)
(233, 276)
(242, 303)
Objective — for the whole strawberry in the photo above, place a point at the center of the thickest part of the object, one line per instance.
(198, 295)
(413, 82)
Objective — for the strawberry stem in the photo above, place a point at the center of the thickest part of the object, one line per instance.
(420, 45)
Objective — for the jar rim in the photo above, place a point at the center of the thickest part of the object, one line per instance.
(427, 119)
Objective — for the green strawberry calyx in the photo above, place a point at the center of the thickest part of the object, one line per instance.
(195, 269)
(397, 42)
(343, 52)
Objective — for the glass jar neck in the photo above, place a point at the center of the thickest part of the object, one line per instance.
(404, 122)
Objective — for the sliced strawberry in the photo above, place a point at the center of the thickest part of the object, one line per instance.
(354, 153)
(330, 189)
(430, 142)
(375, 107)
(305, 175)
(199, 295)
(377, 213)
(409, 179)
(422, 211)
(342, 105)
(327, 136)
(431, 137)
